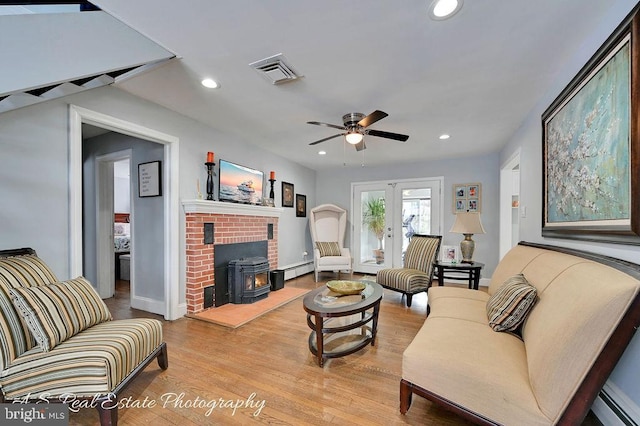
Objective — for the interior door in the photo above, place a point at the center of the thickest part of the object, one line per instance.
(408, 207)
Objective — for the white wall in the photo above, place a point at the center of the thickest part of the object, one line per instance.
(34, 170)
(529, 139)
(334, 186)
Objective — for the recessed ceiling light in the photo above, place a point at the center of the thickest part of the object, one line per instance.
(322, 152)
(210, 83)
(444, 9)
(445, 136)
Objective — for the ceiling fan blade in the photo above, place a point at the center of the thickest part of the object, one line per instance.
(317, 123)
(376, 115)
(388, 135)
(360, 146)
(326, 139)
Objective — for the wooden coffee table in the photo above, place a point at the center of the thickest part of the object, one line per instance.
(336, 320)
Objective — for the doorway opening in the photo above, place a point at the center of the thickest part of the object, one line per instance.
(168, 303)
(510, 204)
(386, 214)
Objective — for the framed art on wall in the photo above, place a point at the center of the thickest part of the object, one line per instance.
(591, 149)
(467, 197)
(149, 179)
(301, 205)
(287, 194)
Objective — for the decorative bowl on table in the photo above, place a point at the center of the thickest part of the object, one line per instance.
(346, 287)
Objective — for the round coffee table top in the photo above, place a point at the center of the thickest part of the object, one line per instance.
(327, 303)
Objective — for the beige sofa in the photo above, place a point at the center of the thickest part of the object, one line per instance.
(586, 312)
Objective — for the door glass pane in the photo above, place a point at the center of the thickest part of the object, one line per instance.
(372, 227)
(416, 214)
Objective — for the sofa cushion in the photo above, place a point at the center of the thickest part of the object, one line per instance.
(466, 362)
(328, 248)
(92, 362)
(508, 307)
(18, 271)
(55, 312)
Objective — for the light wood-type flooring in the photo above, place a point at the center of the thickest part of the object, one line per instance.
(263, 373)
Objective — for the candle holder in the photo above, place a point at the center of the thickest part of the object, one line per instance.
(210, 175)
(271, 193)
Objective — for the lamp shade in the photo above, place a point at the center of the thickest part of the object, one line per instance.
(467, 223)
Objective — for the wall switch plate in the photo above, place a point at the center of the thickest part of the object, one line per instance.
(523, 211)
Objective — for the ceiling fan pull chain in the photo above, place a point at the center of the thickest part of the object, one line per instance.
(344, 153)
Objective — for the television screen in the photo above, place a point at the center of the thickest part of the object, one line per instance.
(239, 184)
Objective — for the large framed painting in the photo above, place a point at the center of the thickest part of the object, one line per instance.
(591, 148)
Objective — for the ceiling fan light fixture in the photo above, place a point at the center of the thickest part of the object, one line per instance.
(353, 137)
(444, 9)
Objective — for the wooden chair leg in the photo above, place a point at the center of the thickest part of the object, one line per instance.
(107, 407)
(409, 297)
(163, 357)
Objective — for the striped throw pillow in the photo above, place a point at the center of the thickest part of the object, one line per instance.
(509, 306)
(56, 312)
(328, 249)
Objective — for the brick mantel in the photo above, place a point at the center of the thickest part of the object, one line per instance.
(233, 223)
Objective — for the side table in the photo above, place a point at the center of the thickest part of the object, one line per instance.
(471, 270)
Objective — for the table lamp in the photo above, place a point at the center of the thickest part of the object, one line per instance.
(467, 224)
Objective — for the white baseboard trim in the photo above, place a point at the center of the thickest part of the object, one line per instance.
(182, 310)
(614, 408)
(149, 305)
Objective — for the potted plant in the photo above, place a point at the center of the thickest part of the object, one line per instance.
(373, 217)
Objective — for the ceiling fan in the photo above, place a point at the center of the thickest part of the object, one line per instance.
(355, 127)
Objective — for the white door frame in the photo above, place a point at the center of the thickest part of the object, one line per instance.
(105, 253)
(506, 209)
(79, 115)
(393, 232)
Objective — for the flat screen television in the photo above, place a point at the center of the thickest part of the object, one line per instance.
(240, 184)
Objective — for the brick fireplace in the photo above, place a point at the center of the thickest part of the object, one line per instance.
(232, 223)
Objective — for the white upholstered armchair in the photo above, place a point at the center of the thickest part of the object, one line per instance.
(328, 224)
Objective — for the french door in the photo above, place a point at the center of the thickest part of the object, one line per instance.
(385, 215)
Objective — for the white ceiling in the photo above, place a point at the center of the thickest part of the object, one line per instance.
(475, 76)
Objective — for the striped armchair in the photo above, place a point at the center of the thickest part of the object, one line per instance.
(417, 273)
(79, 352)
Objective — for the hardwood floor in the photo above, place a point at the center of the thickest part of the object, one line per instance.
(266, 365)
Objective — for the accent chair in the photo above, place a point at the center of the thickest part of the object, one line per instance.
(328, 224)
(417, 273)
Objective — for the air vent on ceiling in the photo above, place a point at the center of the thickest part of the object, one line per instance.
(276, 69)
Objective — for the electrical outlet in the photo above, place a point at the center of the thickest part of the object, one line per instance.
(305, 254)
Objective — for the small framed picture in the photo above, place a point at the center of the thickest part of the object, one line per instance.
(149, 179)
(473, 191)
(287, 194)
(467, 197)
(450, 254)
(301, 205)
